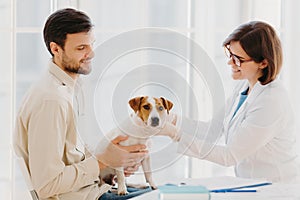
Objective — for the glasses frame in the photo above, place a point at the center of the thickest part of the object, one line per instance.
(236, 60)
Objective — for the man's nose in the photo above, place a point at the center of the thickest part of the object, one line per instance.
(90, 54)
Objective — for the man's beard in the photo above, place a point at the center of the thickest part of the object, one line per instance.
(72, 66)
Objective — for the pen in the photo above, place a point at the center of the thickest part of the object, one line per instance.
(226, 191)
(241, 188)
(257, 185)
(243, 191)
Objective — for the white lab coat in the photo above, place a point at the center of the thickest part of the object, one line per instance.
(259, 139)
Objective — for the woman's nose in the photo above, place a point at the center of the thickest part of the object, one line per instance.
(230, 61)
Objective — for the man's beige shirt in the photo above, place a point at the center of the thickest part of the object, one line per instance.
(46, 137)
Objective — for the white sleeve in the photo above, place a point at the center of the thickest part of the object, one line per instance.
(192, 132)
(259, 127)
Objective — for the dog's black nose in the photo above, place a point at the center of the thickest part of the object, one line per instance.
(154, 121)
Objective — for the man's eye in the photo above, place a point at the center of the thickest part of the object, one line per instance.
(80, 48)
(146, 107)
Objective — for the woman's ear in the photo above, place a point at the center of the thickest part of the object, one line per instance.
(54, 48)
(263, 64)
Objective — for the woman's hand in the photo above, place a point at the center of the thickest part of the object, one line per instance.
(170, 128)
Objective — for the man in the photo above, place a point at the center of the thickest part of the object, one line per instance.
(46, 125)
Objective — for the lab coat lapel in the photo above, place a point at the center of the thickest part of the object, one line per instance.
(234, 122)
(256, 91)
(231, 105)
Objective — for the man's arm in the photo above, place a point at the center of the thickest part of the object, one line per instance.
(53, 170)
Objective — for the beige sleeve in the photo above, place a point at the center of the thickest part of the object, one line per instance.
(50, 171)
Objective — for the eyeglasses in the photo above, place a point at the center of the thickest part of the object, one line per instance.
(236, 60)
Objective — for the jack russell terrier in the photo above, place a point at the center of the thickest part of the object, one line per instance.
(150, 118)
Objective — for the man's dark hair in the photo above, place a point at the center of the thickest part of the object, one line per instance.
(63, 22)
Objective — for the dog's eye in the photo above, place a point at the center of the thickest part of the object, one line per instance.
(146, 107)
(160, 108)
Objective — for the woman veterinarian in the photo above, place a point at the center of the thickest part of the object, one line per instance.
(258, 127)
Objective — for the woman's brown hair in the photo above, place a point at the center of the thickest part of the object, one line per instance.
(260, 41)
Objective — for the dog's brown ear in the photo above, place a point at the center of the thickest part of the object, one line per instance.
(167, 104)
(135, 103)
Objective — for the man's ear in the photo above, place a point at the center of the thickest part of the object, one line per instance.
(135, 103)
(55, 48)
(263, 64)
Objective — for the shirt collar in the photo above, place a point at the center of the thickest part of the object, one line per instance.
(258, 89)
(62, 76)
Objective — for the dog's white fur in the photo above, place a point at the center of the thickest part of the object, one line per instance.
(140, 130)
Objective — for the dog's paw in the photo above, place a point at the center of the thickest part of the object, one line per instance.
(122, 192)
(153, 187)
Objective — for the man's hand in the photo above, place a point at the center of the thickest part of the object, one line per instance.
(116, 155)
(128, 171)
